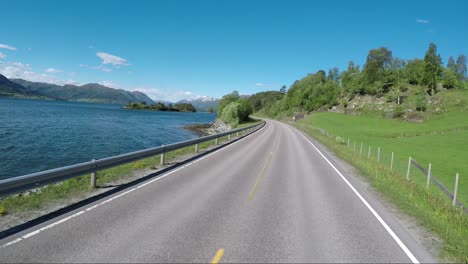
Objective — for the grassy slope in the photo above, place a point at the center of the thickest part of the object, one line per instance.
(429, 208)
(442, 141)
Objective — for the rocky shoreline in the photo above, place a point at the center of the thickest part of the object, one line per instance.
(208, 129)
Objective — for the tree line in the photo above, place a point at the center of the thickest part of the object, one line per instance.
(182, 107)
(382, 74)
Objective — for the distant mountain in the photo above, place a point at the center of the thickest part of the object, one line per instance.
(91, 92)
(11, 89)
(202, 103)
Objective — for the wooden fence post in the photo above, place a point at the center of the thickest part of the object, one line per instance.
(454, 202)
(409, 167)
(391, 162)
(428, 175)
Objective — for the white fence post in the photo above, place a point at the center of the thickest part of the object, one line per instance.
(391, 162)
(428, 175)
(162, 157)
(409, 167)
(93, 178)
(454, 202)
(378, 154)
(368, 153)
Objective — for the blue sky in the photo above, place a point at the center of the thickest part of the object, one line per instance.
(184, 49)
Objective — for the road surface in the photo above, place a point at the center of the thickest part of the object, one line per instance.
(273, 196)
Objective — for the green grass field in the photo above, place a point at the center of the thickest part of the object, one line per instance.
(442, 140)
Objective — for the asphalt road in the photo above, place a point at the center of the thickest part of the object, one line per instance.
(273, 196)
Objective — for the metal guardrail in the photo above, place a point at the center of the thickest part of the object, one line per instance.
(38, 179)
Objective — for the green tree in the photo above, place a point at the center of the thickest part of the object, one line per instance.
(228, 98)
(461, 67)
(432, 68)
(414, 71)
(352, 80)
(230, 114)
(451, 64)
(334, 74)
(283, 89)
(450, 79)
(378, 60)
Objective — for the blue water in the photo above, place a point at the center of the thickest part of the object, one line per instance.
(37, 135)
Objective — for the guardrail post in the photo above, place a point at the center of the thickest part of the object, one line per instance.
(368, 153)
(391, 162)
(454, 201)
(196, 148)
(229, 137)
(429, 168)
(162, 158)
(360, 150)
(93, 177)
(378, 154)
(409, 167)
(216, 141)
(237, 134)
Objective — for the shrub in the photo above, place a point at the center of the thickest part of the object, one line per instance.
(398, 112)
(421, 103)
(230, 114)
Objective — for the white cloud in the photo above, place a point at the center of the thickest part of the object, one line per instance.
(2, 56)
(4, 46)
(53, 70)
(422, 21)
(261, 84)
(24, 71)
(111, 59)
(99, 67)
(108, 84)
(171, 95)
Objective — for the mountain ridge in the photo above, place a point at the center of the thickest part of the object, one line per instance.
(90, 92)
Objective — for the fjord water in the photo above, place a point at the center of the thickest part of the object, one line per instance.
(37, 135)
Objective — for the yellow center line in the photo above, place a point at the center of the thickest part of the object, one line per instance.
(259, 179)
(218, 256)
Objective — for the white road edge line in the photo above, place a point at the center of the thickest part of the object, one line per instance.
(382, 222)
(28, 235)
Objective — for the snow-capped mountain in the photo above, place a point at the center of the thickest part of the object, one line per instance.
(202, 103)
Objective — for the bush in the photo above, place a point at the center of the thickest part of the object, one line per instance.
(421, 103)
(398, 112)
(230, 114)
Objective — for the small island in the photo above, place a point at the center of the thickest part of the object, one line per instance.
(182, 107)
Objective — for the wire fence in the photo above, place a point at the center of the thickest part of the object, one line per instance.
(388, 159)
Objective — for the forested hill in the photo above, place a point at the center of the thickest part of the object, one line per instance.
(407, 86)
(11, 89)
(91, 92)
